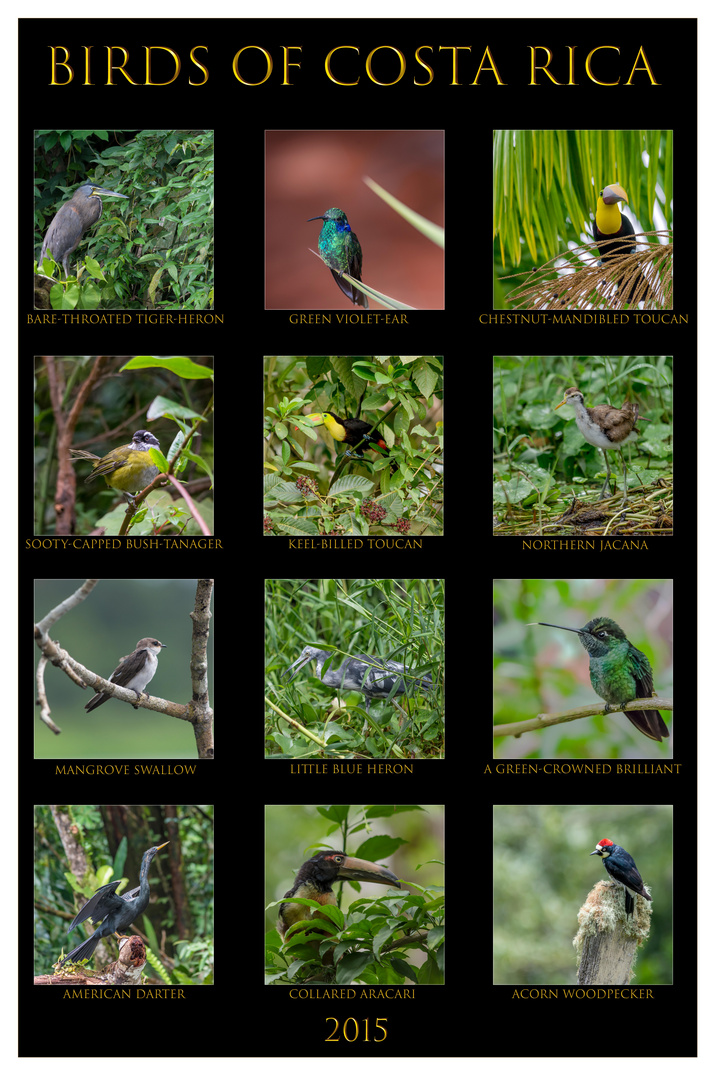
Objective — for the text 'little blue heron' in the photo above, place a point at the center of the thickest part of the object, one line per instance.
(72, 220)
(369, 675)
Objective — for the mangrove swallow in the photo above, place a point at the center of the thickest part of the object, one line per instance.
(133, 671)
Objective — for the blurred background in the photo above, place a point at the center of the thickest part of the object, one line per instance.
(538, 669)
(165, 396)
(96, 633)
(294, 834)
(83, 846)
(542, 875)
(308, 172)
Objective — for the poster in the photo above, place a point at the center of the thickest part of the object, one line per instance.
(315, 152)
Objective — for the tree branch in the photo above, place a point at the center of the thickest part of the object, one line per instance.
(544, 720)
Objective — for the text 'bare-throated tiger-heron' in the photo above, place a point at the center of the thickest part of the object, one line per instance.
(72, 220)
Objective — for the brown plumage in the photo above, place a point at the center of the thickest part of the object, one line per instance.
(605, 427)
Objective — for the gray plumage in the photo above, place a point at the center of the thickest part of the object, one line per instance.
(369, 675)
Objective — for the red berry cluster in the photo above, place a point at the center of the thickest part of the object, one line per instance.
(307, 485)
(372, 512)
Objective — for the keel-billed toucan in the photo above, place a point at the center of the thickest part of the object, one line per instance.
(352, 431)
(610, 225)
(315, 880)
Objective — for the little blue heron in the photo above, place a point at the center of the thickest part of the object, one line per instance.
(369, 675)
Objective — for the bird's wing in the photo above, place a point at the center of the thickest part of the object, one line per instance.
(98, 905)
(643, 675)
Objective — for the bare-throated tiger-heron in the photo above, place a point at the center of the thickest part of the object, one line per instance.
(72, 220)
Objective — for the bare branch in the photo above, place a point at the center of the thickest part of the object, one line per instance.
(543, 720)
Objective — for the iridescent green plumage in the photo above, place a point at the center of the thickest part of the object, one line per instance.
(619, 672)
(340, 249)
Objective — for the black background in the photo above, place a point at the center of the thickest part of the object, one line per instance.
(435, 1023)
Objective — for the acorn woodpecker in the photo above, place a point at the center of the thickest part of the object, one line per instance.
(622, 869)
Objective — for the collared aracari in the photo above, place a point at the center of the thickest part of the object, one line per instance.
(610, 225)
(354, 432)
(315, 879)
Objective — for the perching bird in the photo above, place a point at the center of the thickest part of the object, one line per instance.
(72, 220)
(619, 672)
(616, 235)
(369, 675)
(315, 880)
(340, 249)
(134, 671)
(113, 912)
(128, 468)
(622, 870)
(354, 432)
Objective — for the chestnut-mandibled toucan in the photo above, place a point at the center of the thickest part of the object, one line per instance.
(352, 431)
(315, 880)
(610, 225)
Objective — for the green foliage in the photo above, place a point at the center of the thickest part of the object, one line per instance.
(361, 948)
(57, 898)
(541, 457)
(342, 384)
(546, 185)
(173, 394)
(536, 670)
(157, 249)
(400, 621)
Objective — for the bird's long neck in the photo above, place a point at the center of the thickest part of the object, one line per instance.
(608, 217)
(144, 893)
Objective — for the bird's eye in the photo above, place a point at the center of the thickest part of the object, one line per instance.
(338, 859)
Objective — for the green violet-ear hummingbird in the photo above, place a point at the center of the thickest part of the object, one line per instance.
(340, 249)
(619, 672)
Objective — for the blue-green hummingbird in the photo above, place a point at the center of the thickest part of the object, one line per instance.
(619, 672)
(340, 249)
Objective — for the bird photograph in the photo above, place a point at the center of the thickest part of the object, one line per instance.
(583, 446)
(622, 870)
(583, 219)
(354, 894)
(72, 220)
(135, 633)
(551, 900)
(584, 669)
(354, 668)
(123, 423)
(124, 219)
(113, 893)
(354, 220)
(340, 250)
(353, 445)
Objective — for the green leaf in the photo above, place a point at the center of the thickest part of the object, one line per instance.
(181, 366)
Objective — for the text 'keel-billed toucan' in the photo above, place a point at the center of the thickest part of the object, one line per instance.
(616, 235)
(315, 879)
(352, 431)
